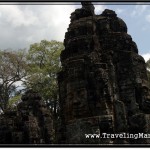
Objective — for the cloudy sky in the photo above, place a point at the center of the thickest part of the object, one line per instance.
(22, 25)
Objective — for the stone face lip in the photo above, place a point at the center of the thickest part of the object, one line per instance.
(103, 85)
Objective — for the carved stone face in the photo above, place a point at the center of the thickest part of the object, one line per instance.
(76, 103)
(146, 97)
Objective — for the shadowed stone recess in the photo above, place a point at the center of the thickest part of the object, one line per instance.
(103, 85)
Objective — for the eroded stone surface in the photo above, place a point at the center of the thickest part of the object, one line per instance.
(30, 124)
(102, 77)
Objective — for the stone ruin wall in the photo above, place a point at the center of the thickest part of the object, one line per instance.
(31, 123)
(103, 84)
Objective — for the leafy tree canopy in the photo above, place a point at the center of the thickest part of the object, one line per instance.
(44, 64)
(12, 69)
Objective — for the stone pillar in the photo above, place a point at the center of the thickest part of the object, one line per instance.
(85, 98)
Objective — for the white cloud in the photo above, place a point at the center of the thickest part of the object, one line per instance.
(146, 56)
(139, 10)
(119, 11)
(16, 17)
(57, 18)
(99, 8)
(22, 25)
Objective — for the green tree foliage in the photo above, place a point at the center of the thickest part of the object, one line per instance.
(12, 69)
(44, 64)
(37, 69)
(14, 101)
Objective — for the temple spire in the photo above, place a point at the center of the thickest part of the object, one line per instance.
(88, 6)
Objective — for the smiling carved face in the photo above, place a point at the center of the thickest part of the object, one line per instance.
(77, 103)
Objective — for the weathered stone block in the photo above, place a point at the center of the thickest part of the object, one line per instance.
(102, 75)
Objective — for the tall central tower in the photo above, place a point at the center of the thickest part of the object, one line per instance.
(103, 84)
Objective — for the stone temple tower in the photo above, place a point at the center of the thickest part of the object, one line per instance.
(103, 85)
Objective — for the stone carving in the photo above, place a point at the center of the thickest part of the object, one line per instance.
(88, 6)
(30, 124)
(86, 10)
(103, 88)
(103, 84)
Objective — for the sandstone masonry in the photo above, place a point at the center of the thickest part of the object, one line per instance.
(103, 84)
